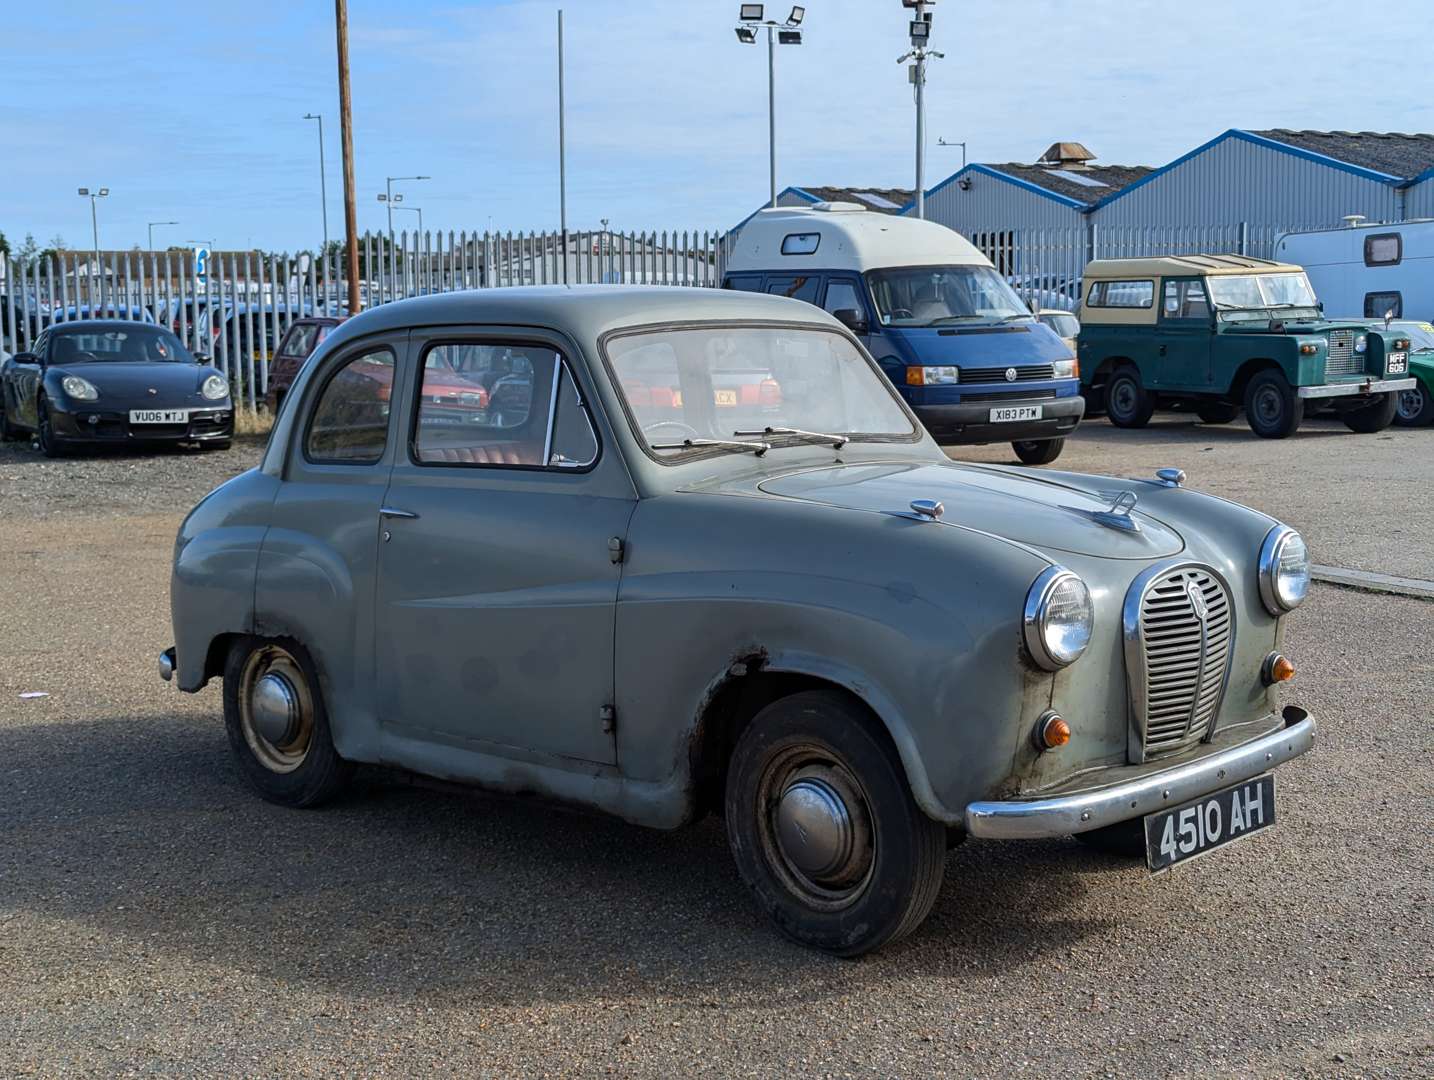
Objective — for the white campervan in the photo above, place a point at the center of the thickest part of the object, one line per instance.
(1368, 271)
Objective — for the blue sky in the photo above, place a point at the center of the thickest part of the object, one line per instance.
(193, 110)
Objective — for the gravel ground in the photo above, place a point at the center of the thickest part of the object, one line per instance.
(157, 919)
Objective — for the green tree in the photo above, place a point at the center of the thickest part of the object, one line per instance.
(4, 247)
(29, 250)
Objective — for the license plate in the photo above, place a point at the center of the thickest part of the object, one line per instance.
(159, 416)
(726, 397)
(1398, 363)
(1179, 834)
(1015, 412)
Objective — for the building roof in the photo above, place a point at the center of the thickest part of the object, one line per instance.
(882, 200)
(1183, 266)
(1390, 152)
(1086, 185)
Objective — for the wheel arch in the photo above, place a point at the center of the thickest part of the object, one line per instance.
(1247, 371)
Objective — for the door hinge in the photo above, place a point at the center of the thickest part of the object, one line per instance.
(616, 549)
(608, 714)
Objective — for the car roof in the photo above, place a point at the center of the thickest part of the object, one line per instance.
(852, 238)
(584, 312)
(1184, 266)
(103, 324)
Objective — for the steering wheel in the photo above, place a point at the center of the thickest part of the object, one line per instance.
(688, 430)
(902, 313)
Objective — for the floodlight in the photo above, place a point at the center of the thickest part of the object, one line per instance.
(795, 18)
(104, 191)
(382, 197)
(84, 191)
(751, 13)
(746, 35)
(789, 37)
(398, 198)
(920, 31)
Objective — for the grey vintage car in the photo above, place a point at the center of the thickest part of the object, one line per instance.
(662, 552)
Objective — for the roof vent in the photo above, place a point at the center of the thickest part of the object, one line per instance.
(839, 207)
(1066, 155)
(1352, 220)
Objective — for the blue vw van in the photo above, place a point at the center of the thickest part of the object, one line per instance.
(974, 364)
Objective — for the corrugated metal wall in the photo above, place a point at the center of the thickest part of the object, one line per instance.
(1239, 181)
(992, 205)
(1419, 200)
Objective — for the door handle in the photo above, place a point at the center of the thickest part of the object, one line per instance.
(395, 512)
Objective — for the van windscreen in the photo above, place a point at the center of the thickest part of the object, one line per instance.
(942, 295)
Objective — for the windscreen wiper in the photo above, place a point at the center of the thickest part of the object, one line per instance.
(759, 448)
(837, 441)
(952, 318)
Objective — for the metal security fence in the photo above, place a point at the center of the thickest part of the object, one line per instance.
(238, 310)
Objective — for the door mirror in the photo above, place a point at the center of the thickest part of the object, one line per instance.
(852, 319)
(202, 358)
(26, 358)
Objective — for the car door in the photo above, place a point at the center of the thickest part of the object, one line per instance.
(23, 384)
(500, 559)
(1183, 353)
(844, 293)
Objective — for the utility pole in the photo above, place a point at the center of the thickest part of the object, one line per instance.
(920, 29)
(341, 20)
(323, 183)
(562, 155)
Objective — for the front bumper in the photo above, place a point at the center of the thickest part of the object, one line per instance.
(1081, 811)
(971, 422)
(1365, 386)
(205, 423)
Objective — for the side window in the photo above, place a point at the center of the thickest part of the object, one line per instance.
(301, 341)
(349, 423)
(744, 282)
(1185, 299)
(800, 287)
(843, 296)
(1121, 294)
(1379, 304)
(1383, 249)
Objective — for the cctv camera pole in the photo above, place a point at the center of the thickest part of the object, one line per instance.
(341, 19)
(562, 156)
(920, 36)
(772, 111)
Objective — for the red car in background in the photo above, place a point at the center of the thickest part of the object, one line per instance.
(302, 338)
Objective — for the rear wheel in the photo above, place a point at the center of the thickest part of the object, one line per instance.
(1038, 451)
(1376, 416)
(1272, 408)
(1414, 408)
(277, 724)
(823, 827)
(1127, 403)
(1216, 412)
(1125, 839)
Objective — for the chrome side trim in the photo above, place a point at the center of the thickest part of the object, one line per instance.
(1062, 815)
(1368, 386)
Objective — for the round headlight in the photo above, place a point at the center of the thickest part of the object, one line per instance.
(215, 388)
(1058, 618)
(1361, 343)
(1284, 570)
(78, 388)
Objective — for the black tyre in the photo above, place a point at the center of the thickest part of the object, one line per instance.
(1272, 408)
(823, 827)
(1127, 403)
(220, 444)
(277, 724)
(1125, 839)
(1414, 408)
(1376, 416)
(1216, 412)
(7, 430)
(51, 445)
(1038, 451)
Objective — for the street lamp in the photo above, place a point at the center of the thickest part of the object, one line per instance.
(962, 145)
(151, 226)
(390, 198)
(415, 209)
(920, 32)
(323, 183)
(98, 193)
(750, 17)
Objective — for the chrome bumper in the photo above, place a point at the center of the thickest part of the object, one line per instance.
(1061, 815)
(1368, 386)
(166, 664)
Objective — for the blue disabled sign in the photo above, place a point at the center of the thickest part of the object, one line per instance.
(201, 264)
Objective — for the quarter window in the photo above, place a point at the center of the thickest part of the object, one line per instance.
(1379, 304)
(1383, 249)
(349, 425)
(1121, 294)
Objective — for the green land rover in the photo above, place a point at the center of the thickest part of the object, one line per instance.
(1218, 333)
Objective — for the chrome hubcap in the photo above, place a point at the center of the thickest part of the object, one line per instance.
(818, 835)
(813, 828)
(276, 709)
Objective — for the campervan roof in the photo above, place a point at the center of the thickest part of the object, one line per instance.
(845, 236)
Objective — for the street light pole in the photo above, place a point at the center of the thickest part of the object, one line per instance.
(323, 183)
(562, 155)
(151, 226)
(772, 115)
(962, 145)
(750, 16)
(920, 30)
(98, 193)
(388, 182)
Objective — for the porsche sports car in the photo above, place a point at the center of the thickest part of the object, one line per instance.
(112, 381)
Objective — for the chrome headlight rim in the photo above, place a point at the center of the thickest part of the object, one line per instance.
(1033, 619)
(219, 385)
(78, 389)
(1271, 552)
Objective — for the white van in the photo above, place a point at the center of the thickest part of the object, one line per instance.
(1367, 271)
(972, 361)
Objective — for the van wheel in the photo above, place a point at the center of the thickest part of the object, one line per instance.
(277, 724)
(1272, 408)
(1414, 408)
(1127, 403)
(1376, 416)
(1038, 451)
(823, 827)
(1216, 412)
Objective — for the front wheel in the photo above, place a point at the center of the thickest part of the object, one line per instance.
(50, 444)
(7, 430)
(1272, 408)
(1414, 408)
(1216, 412)
(1376, 416)
(1127, 403)
(823, 827)
(1038, 451)
(277, 724)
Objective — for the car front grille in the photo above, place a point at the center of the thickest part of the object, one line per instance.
(1181, 656)
(1011, 395)
(1024, 373)
(1341, 359)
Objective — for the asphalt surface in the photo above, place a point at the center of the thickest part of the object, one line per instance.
(157, 919)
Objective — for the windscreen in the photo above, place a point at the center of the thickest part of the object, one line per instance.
(713, 383)
(941, 295)
(138, 343)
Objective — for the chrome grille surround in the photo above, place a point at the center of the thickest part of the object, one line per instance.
(1177, 661)
(1024, 373)
(1341, 359)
